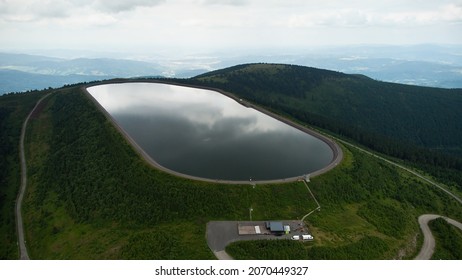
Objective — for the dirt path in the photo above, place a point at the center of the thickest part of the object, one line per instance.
(23, 255)
(429, 241)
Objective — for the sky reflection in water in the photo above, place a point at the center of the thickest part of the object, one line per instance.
(206, 134)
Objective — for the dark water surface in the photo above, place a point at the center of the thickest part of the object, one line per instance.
(206, 134)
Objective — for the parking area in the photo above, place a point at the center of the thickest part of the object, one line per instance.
(220, 233)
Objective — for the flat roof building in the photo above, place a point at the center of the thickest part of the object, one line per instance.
(276, 227)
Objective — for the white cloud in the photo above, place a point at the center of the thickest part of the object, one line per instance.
(226, 2)
(213, 24)
(117, 6)
(89, 20)
(343, 18)
(30, 10)
(365, 16)
(37, 10)
(450, 13)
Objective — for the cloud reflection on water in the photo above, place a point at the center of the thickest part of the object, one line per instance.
(206, 134)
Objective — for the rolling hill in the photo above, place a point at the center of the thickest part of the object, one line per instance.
(420, 125)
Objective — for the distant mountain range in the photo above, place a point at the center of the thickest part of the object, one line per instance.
(435, 66)
(424, 65)
(22, 72)
(19, 81)
(422, 73)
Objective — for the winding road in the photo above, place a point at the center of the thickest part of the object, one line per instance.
(429, 241)
(23, 255)
(428, 247)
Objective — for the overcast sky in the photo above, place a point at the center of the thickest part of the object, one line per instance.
(212, 25)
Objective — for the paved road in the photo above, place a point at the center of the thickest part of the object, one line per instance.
(429, 241)
(23, 255)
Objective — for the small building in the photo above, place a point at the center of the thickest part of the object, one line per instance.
(286, 229)
(257, 230)
(276, 227)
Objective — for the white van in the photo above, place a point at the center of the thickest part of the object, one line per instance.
(296, 237)
(307, 237)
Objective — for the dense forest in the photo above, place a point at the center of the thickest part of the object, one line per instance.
(13, 110)
(367, 248)
(448, 240)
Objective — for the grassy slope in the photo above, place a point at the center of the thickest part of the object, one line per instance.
(90, 196)
(13, 111)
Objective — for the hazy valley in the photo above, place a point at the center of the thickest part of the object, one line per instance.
(434, 66)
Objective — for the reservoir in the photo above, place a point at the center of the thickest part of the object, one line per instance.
(203, 133)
